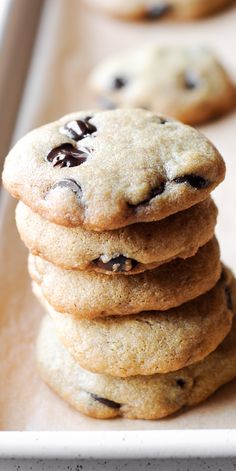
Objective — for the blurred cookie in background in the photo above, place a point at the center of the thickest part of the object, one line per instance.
(189, 84)
(159, 9)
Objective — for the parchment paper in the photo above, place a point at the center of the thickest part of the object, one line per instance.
(71, 40)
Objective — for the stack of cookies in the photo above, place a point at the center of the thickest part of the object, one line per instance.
(117, 215)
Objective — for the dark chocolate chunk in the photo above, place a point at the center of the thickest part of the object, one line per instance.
(181, 382)
(79, 129)
(106, 402)
(66, 155)
(229, 298)
(193, 180)
(154, 192)
(163, 120)
(118, 82)
(71, 184)
(191, 80)
(158, 11)
(158, 190)
(118, 264)
(223, 276)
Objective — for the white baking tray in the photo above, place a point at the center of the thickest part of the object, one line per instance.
(34, 421)
(141, 444)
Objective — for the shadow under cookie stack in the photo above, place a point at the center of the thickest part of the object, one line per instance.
(116, 212)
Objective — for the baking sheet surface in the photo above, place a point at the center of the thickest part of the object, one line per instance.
(72, 40)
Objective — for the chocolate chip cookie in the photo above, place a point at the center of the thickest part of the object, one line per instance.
(137, 397)
(150, 342)
(106, 170)
(89, 294)
(188, 83)
(152, 10)
(129, 250)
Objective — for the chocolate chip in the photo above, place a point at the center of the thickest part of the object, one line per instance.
(181, 383)
(106, 402)
(163, 121)
(157, 191)
(223, 276)
(71, 184)
(229, 299)
(191, 80)
(193, 180)
(119, 264)
(118, 83)
(66, 155)
(78, 129)
(154, 192)
(157, 11)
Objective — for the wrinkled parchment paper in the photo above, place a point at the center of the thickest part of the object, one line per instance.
(72, 39)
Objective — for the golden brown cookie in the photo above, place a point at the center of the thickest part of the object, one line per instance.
(153, 10)
(187, 83)
(132, 249)
(89, 294)
(109, 169)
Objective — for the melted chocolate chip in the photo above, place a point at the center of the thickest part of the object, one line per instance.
(193, 180)
(106, 402)
(118, 83)
(229, 299)
(157, 191)
(181, 383)
(79, 129)
(69, 183)
(223, 276)
(191, 80)
(163, 121)
(66, 155)
(154, 192)
(157, 11)
(118, 264)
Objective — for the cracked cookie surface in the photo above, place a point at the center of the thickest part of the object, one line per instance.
(132, 249)
(89, 294)
(150, 342)
(188, 83)
(106, 170)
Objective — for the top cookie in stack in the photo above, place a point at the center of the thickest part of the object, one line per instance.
(106, 170)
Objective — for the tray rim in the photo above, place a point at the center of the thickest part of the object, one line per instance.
(148, 444)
